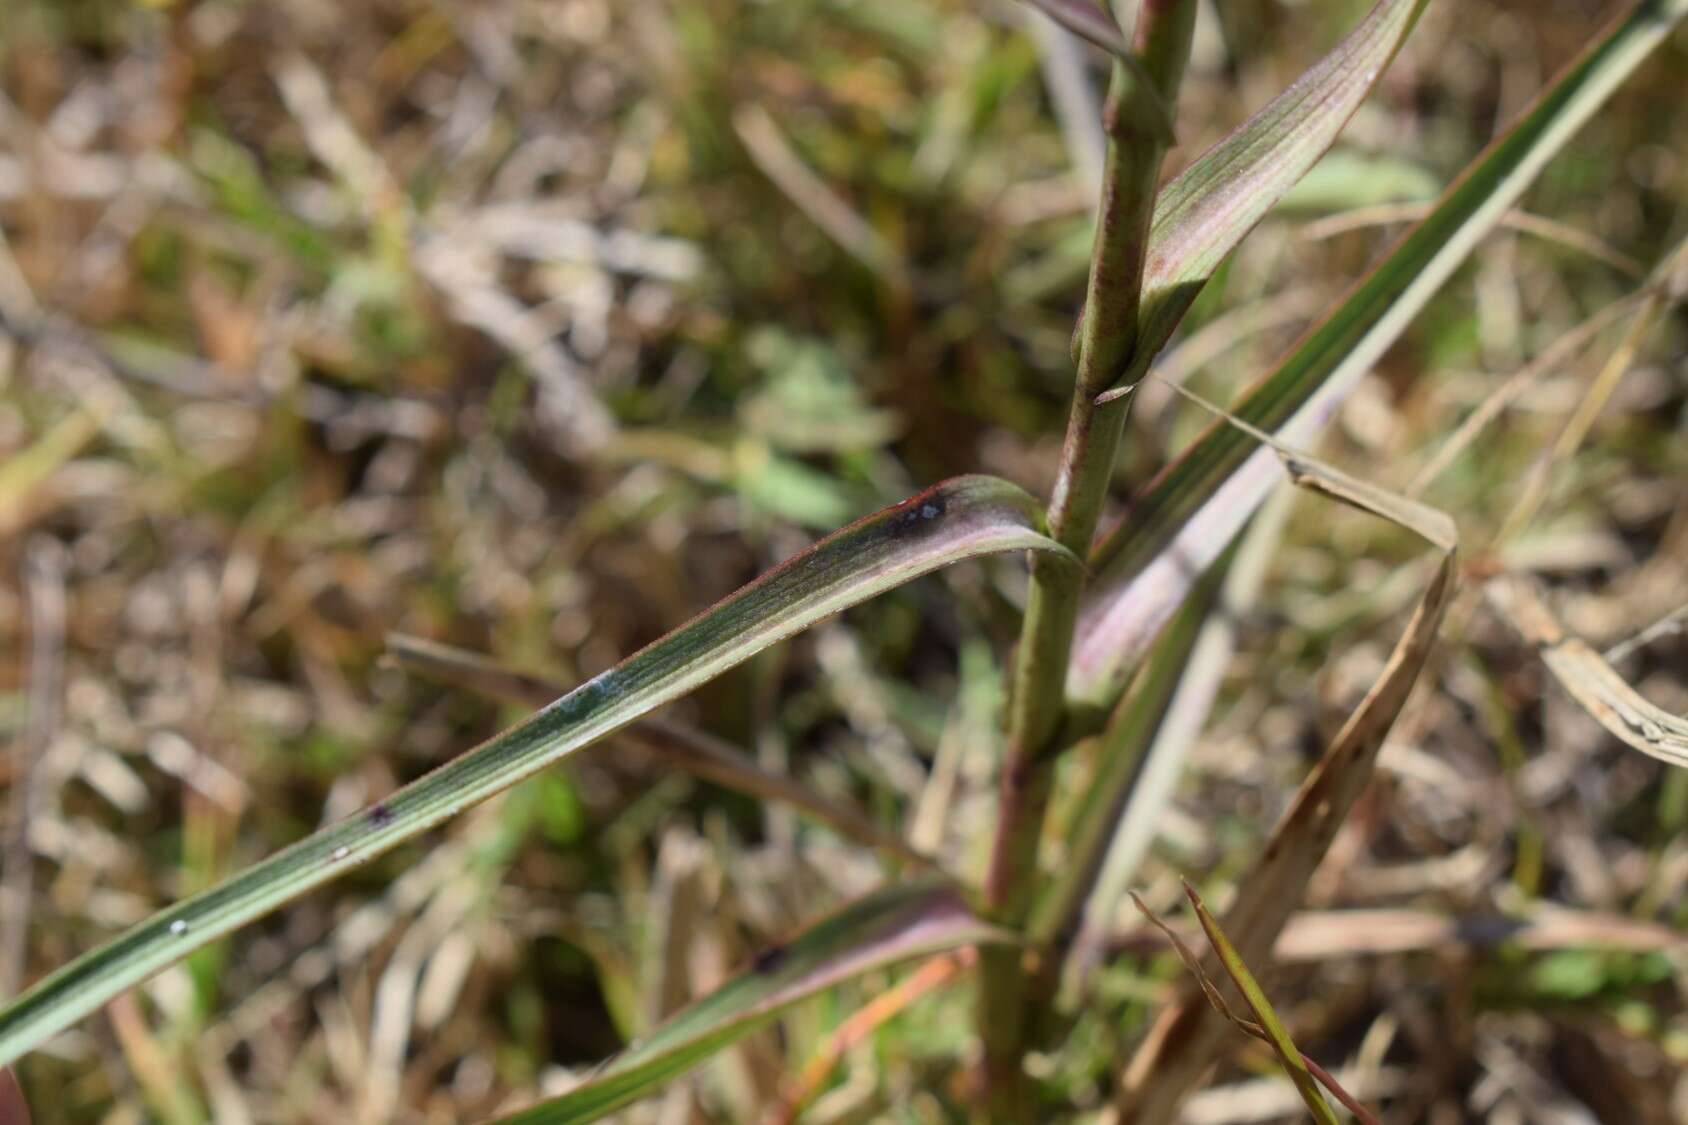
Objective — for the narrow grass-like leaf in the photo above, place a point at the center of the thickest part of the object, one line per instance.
(961, 518)
(1203, 214)
(1215, 998)
(1216, 1002)
(1289, 1055)
(1152, 786)
(1184, 518)
(683, 747)
(25, 471)
(1180, 1047)
(1587, 677)
(1089, 21)
(892, 925)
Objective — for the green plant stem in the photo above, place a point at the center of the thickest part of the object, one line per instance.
(1132, 727)
(1135, 117)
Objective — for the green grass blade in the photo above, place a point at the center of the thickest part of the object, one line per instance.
(1155, 782)
(1203, 214)
(1289, 1055)
(1187, 515)
(673, 746)
(961, 518)
(889, 926)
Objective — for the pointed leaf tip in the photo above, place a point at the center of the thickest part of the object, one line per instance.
(889, 926)
(1176, 526)
(1207, 210)
(959, 519)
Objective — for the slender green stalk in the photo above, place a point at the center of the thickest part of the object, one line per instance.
(1131, 729)
(1135, 118)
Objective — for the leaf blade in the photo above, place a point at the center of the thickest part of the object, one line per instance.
(1087, 20)
(1289, 1055)
(1587, 677)
(892, 925)
(1187, 514)
(686, 748)
(1181, 1045)
(961, 518)
(1205, 211)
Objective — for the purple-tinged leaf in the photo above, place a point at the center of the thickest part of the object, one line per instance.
(1203, 214)
(892, 925)
(1088, 20)
(1178, 525)
(961, 518)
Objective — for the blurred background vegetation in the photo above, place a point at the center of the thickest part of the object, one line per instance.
(534, 326)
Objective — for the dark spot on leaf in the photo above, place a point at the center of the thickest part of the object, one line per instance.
(919, 509)
(580, 702)
(770, 959)
(380, 816)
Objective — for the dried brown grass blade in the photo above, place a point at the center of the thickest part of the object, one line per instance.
(1182, 1044)
(1431, 524)
(1585, 674)
(1312, 936)
(1539, 226)
(1562, 351)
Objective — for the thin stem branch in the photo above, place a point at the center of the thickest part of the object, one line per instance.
(1134, 117)
(44, 586)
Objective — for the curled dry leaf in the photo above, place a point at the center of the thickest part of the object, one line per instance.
(1182, 1042)
(1585, 674)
